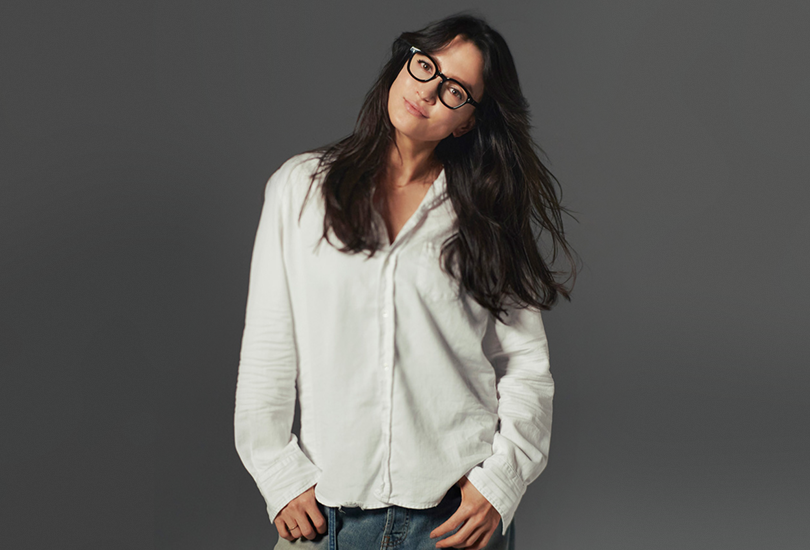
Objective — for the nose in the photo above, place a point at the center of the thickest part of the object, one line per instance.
(427, 91)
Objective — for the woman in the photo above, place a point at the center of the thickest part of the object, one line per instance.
(412, 337)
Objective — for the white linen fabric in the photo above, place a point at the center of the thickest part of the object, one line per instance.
(403, 385)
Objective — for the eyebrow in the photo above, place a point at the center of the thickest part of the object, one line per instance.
(465, 84)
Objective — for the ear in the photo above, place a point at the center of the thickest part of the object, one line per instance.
(465, 127)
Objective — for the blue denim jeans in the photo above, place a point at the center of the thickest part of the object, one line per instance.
(392, 527)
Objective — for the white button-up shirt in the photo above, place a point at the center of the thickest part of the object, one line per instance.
(403, 386)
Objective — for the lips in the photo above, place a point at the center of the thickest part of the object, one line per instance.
(414, 109)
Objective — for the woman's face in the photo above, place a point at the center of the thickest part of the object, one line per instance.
(416, 111)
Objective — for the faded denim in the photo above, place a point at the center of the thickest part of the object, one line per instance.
(392, 527)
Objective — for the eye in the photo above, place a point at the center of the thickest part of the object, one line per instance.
(424, 64)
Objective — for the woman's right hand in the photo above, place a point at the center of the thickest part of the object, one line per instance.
(301, 517)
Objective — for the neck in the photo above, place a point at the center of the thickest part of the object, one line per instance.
(412, 162)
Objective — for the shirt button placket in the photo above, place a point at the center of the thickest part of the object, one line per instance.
(387, 364)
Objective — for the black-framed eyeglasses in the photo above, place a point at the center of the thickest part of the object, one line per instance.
(451, 92)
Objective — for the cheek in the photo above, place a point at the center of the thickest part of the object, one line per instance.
(399, 88)
(394, 92)
(396, 106)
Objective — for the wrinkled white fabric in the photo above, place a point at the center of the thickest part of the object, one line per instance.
(404, 387)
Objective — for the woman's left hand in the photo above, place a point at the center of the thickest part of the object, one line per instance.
(479, 517)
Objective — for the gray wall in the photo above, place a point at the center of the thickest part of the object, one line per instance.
(136, 138)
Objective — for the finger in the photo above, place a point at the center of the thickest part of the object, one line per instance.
(317, 519)
(283, 531)
(313, 522)
(480, 542)
(295, 533)
(481, 537)
(462, 538)
(460, 515)
(305, 528)
(291, 523)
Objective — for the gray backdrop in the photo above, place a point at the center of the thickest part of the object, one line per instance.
(136, 138)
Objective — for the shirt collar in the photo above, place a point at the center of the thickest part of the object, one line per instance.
(437, 192)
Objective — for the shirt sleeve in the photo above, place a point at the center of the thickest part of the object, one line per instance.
(265, 388)
(518, 350)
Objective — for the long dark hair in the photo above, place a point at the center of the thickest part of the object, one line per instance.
(507, 202)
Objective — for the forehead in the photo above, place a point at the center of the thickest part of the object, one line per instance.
(462, 60)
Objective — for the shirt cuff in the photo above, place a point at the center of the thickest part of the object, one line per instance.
(289, 479)
(499, 483)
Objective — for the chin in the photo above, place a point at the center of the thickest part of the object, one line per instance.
(408, 125)
(405, 126)
(415, 136)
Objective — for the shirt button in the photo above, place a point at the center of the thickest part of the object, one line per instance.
(385, 313)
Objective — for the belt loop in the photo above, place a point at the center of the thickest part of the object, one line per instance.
(331, 528)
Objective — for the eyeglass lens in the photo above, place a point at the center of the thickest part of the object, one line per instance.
(422, 68)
